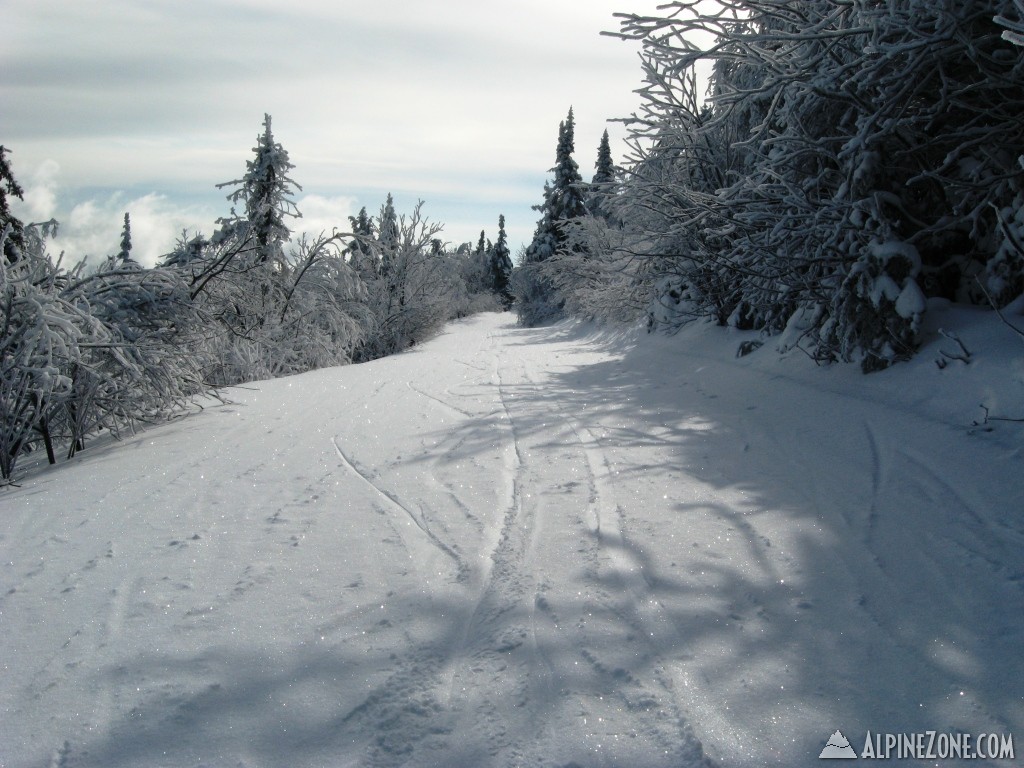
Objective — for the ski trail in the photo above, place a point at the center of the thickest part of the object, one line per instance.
(493, 631)
(583, 646)
(606, 514)
(113, 632)
(878, 479)
(399, 506)
(439, 401)
(609, 528)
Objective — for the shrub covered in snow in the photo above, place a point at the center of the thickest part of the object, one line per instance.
(87, 350)
(835, 140)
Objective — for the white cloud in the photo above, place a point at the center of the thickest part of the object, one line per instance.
(94, 226)
(450, 100)
(91, 227)
(323, 214)
(40, 197)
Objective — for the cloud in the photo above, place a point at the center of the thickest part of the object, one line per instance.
(323, 214)
(90, 226)
(93, 227)
(40, 197)
(445, 101)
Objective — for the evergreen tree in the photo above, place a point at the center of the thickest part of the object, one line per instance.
(563, 197)
(15, 239)
(563, 202)
(188, 253)
(388, 239)
(475, 266)
(604, 177)
(360, 253)
(125, 254)
(126, 239)
(267, 191)
(501, 265)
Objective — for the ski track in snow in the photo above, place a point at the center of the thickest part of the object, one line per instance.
(417, 519)
(531, 554)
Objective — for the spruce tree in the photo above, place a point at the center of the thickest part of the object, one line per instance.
(189, 253)
(125, 254)
(568, 201)
(267, 191)
(501, 265)
(388, 236)
(604, 176)
(359, 251)
(15, 240)
(476, 268)
(563, 197)
(538, 300)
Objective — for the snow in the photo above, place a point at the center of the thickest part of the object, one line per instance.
(911, 301)
(897, 249)
(559, 546)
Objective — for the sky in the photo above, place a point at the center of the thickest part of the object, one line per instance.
(144, 106)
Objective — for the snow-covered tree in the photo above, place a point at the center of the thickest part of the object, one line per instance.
(564, 200)
(125, 253)
(476, 269)
(188, 253)
(360, 255)
(501, 265)
(147, 364)
(388, 236)
(267, 191)
(835, 139)
(87, 350)
(14, 239)
(40, 341)
(601, 186)
(418, 292)
(270, 308)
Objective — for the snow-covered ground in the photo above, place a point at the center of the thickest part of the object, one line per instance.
(549, 547)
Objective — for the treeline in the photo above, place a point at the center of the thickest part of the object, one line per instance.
(103, 347)
(850, 160)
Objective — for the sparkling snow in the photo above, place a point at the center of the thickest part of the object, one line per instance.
(559, 547)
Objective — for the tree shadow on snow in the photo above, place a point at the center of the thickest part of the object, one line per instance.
(824, 575)
(780, 605)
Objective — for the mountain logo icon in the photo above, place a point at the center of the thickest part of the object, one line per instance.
(838, 748)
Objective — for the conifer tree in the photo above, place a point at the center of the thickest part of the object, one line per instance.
(501, 265)
(388, 236)
(126, 239)
(604, 176)
(9, 186)
(267, 192)
(125, 254)
(360, 253)
(563, 201)
(563, 197)
(476, 267)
